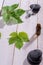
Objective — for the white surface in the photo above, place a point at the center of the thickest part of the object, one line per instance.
(29, 25)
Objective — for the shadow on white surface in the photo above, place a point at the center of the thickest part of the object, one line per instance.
(25, 62)
(1, 23)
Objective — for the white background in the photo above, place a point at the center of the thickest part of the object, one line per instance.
(6, 50)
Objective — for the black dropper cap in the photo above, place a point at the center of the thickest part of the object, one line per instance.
(35, 8)
(34, 57)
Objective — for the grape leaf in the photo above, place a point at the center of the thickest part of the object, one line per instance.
(19, 42)
(12, 40)
(6, 17)
(19, 12)
(6, 14)
(5, 9)
(0, 34)
(18, 39)
(14, 15)
(24, 36)
(13, 34)
(14, 6)
(10, 14)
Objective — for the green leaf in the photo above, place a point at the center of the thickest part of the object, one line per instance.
(18, 39)
(13, 34)
(14, 6)
(5, 8)
(12, 40)
(19, 43)
(19, 12)
(14, 15)
(6, 17)
(10, 14)
(6, 13)
(0, 34)
(24, 36)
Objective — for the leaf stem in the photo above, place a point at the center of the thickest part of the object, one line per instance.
(16, 31)
(17, 24)
(17, 28)
(13, 55)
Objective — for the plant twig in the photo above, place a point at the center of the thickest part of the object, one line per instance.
(37, 42)
(37, 32)
(17, 28)
(14, 47)
(17, 24)
(16, 31)
(2, 5)
(2, 8)
(13, 55)
(32, 39)
(37, 35)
